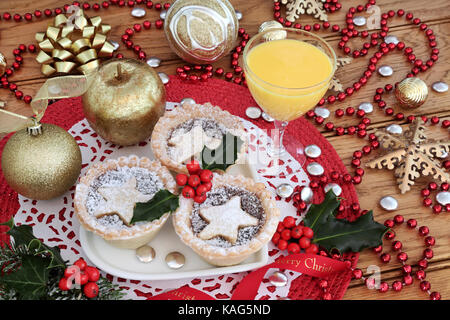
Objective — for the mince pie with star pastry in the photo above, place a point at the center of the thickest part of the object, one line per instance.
(182, 133)
(106, 196)
(236, 220)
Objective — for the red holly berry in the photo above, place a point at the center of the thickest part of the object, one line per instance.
(90, 290)
(65, 284)
(93, 273)
(80, 263)
(82, 279)
(194, 180)
(193, 166)
(200, 199)
(188, 192)
(208, 185)
(276, 237)
(289, 222)
(181, 179)
(71, 270)
(304, 242)
(297, 232)
(201, 190)
(313, 249)
(206, 175)
(308, 232)
(286, 234)
(282, 244)
(293, 247)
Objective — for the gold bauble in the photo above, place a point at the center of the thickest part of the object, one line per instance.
(41, 166)
(124, 101)
(411, 93)
(201, 31)
(2, 64)
(274, 35)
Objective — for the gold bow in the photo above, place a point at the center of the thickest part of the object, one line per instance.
(53, 88)
(74, 43)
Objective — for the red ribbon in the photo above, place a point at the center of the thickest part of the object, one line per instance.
(309, 264)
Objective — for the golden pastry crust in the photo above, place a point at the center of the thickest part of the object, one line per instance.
(141, 231)
(172, 119)
(221, 256)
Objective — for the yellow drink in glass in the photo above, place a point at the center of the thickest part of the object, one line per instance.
(286, 73)
(287, 77)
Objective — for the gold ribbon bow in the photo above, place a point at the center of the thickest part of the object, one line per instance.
(73, 43)
(53, 88)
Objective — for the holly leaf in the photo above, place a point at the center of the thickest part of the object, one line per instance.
(224, 155)
(23, 236)
(339, 234)
(30, 280)
(319, 213)
(164, 201)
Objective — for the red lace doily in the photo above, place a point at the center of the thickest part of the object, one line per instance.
(235, 99)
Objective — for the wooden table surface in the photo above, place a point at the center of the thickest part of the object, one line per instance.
(376, 183)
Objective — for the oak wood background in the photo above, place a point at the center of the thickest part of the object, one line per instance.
(376, 183)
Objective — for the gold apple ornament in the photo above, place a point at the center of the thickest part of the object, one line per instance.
(124, 101)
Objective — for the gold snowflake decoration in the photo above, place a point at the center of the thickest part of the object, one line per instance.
(335, 83)
(411, 155)
(294, 8)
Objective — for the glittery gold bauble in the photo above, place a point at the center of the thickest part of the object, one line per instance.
(411, 93)
(124, 101)
(2, 64)
(43, 166)
(201, 31)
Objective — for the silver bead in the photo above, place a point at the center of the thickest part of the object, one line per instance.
(115, 44)
(443, 198)
(164, 77)
(138, 12)
(175, 260)
(163, 14)
(253, 112)
(391, 39)
(337, 190)
(266, 117)
(145, 254)
(238, 15)
(385, 71)
(367, 107)
(313, 151)
(322, 112)
(187, 101)
(444, 155)
(154, 62)
(359, 21)
(314, 169)
(306, 194)
(278, 279)
(389, 203)
(394, 129)
(285, 190)
(440, 86)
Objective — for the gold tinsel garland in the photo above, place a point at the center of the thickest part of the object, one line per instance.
(74, 43)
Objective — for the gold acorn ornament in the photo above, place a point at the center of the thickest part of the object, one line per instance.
(411, 92)
(124, 101)
(201, 31)
(41, 162)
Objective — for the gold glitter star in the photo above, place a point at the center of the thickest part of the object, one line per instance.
(120, 200)
(225, 220)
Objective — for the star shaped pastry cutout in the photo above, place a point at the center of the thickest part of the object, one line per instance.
(120, 200)
(225, 220)
(411, 155)
(192, 143)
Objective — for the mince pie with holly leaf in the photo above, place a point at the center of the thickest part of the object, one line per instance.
(236, 220)
(120, 200)
(185, 132)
